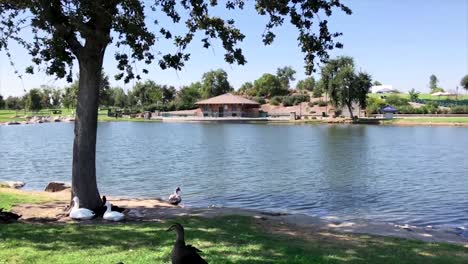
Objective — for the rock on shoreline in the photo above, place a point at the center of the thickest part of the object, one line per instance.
(57, 186)
(12, 184)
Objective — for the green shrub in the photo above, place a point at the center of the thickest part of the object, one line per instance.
(299, 98)
(259, 99)
(460, 109)
(374, 104)
(407, 109)
(312, 104)
(151, 107)
(431, 108)
(288, 101)
(442, 111)
(317, 92)
(276, 100)
(396, 100)
(322, 103)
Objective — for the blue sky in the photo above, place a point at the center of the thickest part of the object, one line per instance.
(398, 42)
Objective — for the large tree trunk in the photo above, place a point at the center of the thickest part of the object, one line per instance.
(84, 183)
(350, 109)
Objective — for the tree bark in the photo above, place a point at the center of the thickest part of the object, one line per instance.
(350, 109)
(84, 183)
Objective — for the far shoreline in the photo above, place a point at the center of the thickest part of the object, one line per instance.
(398, 121)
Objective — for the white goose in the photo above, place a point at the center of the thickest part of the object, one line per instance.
(80, 213)
(175, 198)
(112, 215)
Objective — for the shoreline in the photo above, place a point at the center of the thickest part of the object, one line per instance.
(395, 122)
(155, 209)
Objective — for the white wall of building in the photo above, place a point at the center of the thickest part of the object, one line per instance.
(377, 88)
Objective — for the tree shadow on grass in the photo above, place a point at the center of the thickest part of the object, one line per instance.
(232, 239)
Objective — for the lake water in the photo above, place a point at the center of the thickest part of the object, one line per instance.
(414, 175)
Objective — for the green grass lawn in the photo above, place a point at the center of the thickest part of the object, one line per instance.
(9, 115)
(443, 100)
(9, 197)
(426, 96)
(463, 120)
(232, 239)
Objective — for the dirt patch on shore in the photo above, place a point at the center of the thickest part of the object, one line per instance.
(295, 225)
(56, 210)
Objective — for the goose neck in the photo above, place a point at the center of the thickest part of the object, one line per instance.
(109, 207)
(180, 238)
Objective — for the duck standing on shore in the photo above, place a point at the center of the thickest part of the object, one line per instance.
(78, 213)
(176, 197)
(182, 253)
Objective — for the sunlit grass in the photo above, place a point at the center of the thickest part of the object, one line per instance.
(9, 197)
(426, 96)
(11, 115)
(431, 120)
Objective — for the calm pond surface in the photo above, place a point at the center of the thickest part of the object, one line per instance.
(414, 175)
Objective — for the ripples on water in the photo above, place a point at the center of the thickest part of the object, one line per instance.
(415, 175)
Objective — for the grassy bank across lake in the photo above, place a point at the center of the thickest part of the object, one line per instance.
(462, 121)
(226, 239)
(18, 116)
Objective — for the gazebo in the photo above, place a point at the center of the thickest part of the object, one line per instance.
(388, 111)
(228, 105)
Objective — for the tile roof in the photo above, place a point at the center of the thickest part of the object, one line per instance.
(227, 99)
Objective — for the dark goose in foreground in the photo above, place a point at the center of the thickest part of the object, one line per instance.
(181, 253)
(8, 217)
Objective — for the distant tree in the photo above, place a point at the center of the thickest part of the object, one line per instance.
(464, 82)
(413, 95)
(247, 89)
(56, 97)
(168, 94)
(46, 96)
(306, 84)
(13, 103)
(215, 83)
(132, 100)
(147, 92)
(104, 86)
(2, 102)
(343, 85)
(118, 97)
(268, 85)
(69, 96)
(34, 100)
(433, 82)
(188, 96)
(319, 89)
(65, 32)
(285, 75)
(377, 83)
